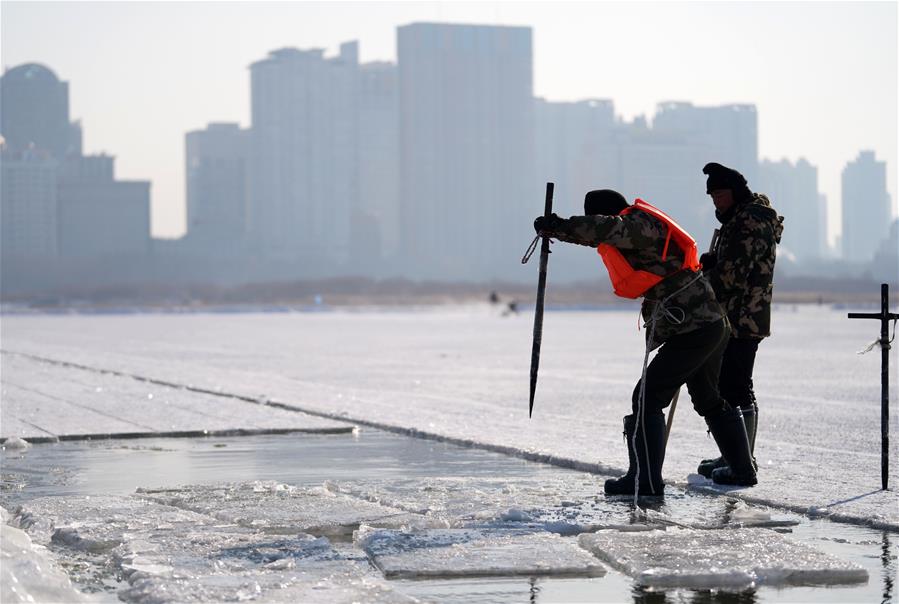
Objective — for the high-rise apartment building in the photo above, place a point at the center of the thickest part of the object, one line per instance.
(375, 231)
(101, 217)
(793, 191)
(303, 149)
(467, 183)
(662, 164)
(28, 211)
(216, 164)
(867, 211)
(665, 169)
(576, 147)
(34, 111)
(729, 133)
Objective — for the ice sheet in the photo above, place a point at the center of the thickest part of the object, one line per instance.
(279, 508)
(727, 558)
(461, 374)
(474, 552)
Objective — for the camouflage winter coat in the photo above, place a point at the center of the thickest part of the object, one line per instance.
(743, 273)
(640, 238)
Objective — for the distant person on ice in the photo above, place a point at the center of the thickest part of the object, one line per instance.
(740, 268)
(648, 255)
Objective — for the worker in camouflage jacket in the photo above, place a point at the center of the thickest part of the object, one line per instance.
(740, 268)
(683, 317)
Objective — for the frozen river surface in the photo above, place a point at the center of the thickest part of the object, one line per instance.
(462, 374)
(459, 375)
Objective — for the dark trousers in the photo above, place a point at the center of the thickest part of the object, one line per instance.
(735, 381)
(694, 359)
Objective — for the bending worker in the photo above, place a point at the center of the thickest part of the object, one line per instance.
(648, 255)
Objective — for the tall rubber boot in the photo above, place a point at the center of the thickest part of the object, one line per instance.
(750, 418)
(650, 469)
(729, 432)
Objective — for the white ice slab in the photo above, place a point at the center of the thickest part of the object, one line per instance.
(474, 553)
(725, 558)
(57, 416)
(278, 508)
(96, 523)
(42, 399)
(216, 564)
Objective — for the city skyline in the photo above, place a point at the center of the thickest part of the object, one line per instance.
(228, 80)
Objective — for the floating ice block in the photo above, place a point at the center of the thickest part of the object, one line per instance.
(474, 553)
(722, 558)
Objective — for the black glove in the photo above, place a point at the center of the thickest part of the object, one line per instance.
(708, 261)
(543, 223)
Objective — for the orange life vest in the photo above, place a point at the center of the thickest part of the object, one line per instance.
(630, 283)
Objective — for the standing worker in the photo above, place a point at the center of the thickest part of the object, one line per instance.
(648, 255)
(741, 270)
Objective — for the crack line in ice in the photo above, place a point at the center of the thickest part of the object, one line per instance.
(183, 434)
(74, 404)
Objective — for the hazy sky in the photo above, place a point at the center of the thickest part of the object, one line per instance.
(822, 74)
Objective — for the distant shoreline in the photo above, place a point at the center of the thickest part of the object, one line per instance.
(347, 303)
(360, 292)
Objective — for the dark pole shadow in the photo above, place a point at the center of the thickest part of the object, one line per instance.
(850, 499)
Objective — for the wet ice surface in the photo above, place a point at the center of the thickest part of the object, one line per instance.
(567, 503)
(135, 543)
(726, 558)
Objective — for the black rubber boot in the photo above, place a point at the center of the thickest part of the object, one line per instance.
(750, 419)
(729, 432)
(650, 470)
